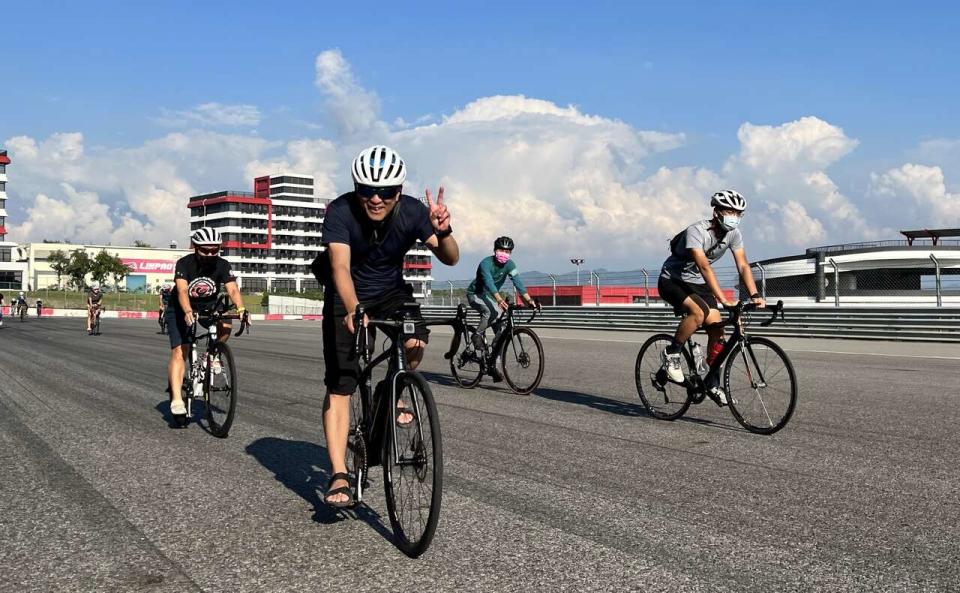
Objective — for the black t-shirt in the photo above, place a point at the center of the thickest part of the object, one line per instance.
(203, 282)
(376, 249)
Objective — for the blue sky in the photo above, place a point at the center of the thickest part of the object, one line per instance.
(885, 73)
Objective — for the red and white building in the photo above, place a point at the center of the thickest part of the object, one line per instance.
(271, 235)
(12, 273)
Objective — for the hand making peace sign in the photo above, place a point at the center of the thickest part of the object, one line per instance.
(439, 215)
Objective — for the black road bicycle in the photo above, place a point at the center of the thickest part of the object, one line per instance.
(163, 323)
(95, 326)
(211, 375)
(517, 349)
(758, 377)
(22, 311)
(411, 454)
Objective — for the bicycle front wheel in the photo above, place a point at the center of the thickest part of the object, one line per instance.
(761, 385)
(220, 390)
(522, 360)
(661, 397)
(465, 365)
(413, 467)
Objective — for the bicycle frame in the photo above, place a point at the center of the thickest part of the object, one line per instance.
(739, 335)
(461, 329)
(374, 414)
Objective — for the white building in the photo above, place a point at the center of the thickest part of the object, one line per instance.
(12, 273)
(149, 267)
(271, 236)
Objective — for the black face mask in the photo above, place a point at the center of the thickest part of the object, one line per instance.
(207, 263)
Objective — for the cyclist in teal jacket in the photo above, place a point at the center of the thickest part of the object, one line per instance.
(483, 294)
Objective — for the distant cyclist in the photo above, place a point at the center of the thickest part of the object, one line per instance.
(94, 300)
(199, 277)
(166, 291)
(39, 307)
(689, 284)
(20, 302)
(1, 308)
(483, 294)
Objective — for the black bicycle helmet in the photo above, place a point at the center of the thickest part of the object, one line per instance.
(503, 243)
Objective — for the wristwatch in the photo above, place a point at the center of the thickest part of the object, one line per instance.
(444, 234)
(755, 295)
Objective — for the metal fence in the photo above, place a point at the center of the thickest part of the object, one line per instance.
(919, 281)
(866, 323)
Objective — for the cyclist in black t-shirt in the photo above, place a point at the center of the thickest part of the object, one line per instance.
(198, 278)
(367, 233)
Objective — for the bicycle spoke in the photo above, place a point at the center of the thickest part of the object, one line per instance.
(761, 384)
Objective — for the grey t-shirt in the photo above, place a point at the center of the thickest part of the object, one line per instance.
(699, 235)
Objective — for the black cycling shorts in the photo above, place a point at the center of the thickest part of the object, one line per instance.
(342, 366)
(676, 291)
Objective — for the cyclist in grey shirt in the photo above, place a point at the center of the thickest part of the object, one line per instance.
(687, 280)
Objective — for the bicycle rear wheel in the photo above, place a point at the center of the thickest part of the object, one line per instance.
(522, 359)
(761, 385)
(220, 391)
(413, 467)
(660, 396)
(465, 365)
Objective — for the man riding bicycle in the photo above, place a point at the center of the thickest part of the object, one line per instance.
(198, 279)
(687, 280)
(367, 233)
(94, 298)
(165, 293)
(20, 302)
(483, 294)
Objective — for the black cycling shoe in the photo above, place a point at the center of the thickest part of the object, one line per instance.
(496, 375)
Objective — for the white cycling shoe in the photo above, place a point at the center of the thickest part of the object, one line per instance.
(178, 408)
(672, 363)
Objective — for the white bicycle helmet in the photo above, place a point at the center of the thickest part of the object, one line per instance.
(728, 199)
(205, 236)
(94, 285)
(379, 166)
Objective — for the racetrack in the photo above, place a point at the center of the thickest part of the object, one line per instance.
(572, 488)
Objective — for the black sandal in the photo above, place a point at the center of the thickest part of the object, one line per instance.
(341, 490)
(401, 411)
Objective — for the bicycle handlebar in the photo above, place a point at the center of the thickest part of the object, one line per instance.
(746, 306)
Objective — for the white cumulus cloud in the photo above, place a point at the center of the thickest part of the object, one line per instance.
(919, 193)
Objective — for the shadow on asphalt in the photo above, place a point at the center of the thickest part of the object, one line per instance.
(604, 404)
(304, 468)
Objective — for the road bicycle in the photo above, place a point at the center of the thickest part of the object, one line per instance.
(22, 311)
(211, 374)
(758, 377)
(95, 325)
(411, 454)
(163, 323)
(518, 350)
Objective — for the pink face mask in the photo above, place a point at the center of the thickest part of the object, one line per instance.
(502, 257)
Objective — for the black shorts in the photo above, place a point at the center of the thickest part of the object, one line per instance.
(342, 372)
(676, 291)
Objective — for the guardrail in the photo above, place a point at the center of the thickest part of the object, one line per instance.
(865, 323)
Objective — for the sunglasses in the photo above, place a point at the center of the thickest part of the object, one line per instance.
(208, 250)
(367, 192)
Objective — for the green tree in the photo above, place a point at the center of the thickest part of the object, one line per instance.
(139, 243)
(118, 270)
(78, 267)
(58, 261)
(102, 266)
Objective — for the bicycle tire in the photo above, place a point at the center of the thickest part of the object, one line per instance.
(413, 540)
(466, 370)
(740, 401)
(676, 398)
(220, 410)
(96, 326)
(357, 459)
(523, 359)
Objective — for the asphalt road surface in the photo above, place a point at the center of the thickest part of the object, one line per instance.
(573, 488)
